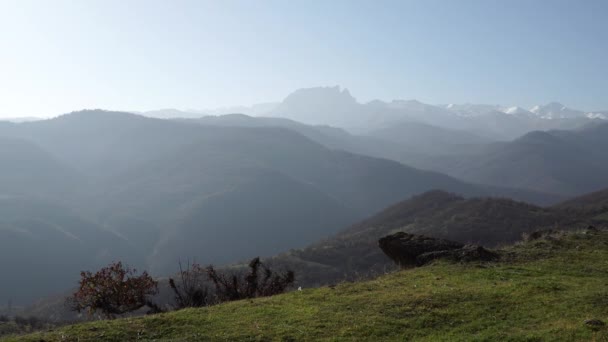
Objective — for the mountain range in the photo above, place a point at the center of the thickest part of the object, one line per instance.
(93, 186)
(157, 191)
(563, 162)
(335, 106)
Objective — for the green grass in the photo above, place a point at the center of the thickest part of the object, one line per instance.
(544, 290)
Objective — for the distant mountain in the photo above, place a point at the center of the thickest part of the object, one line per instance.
(602, 115)
(517, 111)
(322, 105)
(331, 137)
(171, 113)
(427, 139)
(326, 135)
(472, 110)
(337, 107)
(20, 119)
(259, 109)
(411, 143)
(562, 162)
(421, 145)
(556, 110)
(459, 153)
(101, 143)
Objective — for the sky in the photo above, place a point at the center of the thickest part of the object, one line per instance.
(59, 56)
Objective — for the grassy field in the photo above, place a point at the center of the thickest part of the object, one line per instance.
(543, 290)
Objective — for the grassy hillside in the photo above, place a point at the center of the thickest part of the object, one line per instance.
(541, 290)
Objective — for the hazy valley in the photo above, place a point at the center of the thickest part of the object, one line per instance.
(152, 191)
(303, 170)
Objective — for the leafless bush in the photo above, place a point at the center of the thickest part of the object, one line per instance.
(259, 281)
(191, 290)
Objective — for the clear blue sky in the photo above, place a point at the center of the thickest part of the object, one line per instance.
(58, 56)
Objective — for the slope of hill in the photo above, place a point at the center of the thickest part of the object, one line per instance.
(414, 132)
(413, 152)
(594, 205)
(328, 136)
(103, 143)
(353, 252)
(427, 139)
(266, 217)
(563, 162)
(27, 169)
(44, 246)
(545, 289)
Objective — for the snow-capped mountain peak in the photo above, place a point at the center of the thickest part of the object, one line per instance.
(603, 116)
(471, 110)
(556, 110)
(516, 110)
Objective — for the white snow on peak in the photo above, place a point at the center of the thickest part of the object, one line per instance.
(513, 110)
(602, 116)
(535, 109)
(556, 110)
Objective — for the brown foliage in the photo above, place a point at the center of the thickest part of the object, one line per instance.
(113, 290)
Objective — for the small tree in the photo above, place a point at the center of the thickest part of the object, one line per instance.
(113, 290)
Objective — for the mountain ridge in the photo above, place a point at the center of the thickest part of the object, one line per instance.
(148, 181)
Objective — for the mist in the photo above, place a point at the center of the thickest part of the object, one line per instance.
(375, 171)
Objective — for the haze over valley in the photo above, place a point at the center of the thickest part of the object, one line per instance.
(303, 170)
(153, 191)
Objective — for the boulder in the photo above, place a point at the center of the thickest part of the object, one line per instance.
(594, 323)
(405, 248)
(409, 250)
(540, 234)
(467, 253)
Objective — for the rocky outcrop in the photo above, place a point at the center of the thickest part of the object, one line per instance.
(467, 253)
(409, 250)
